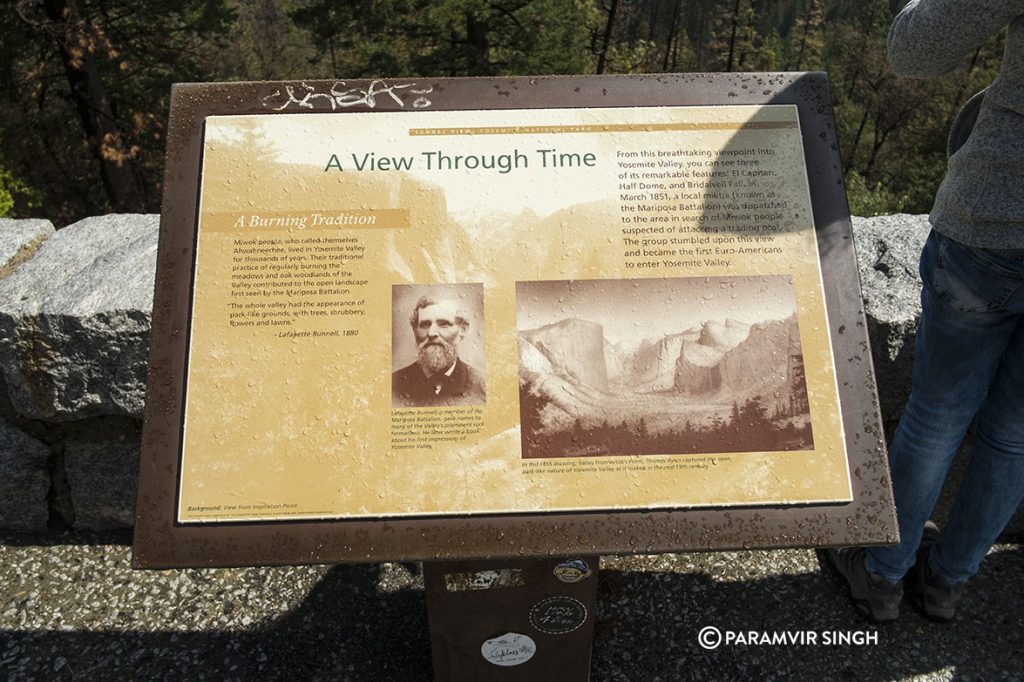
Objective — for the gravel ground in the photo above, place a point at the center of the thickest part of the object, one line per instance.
(72, 609)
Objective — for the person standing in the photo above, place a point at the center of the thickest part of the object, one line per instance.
(969, 358)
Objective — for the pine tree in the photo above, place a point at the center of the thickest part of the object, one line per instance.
(87, 84)
(807, 42)
(733, 36)
(450, 37)
(676, 43)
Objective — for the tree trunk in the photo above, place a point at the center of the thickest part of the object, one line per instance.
(804, 36)
(478, 59)
(851, 153)
(732, 36)
(700, 40)
(602, 58)
(673, 37)
(104, 136)
(653, 22)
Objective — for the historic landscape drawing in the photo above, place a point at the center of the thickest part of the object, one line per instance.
(660, 366)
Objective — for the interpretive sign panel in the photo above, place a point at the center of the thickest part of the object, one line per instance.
(537, 310)
(634, 294)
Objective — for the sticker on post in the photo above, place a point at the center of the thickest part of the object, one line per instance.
(511, 648)
(558, 615)
(484, 580)
(572, 571)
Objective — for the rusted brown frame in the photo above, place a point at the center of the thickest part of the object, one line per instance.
(161, 543)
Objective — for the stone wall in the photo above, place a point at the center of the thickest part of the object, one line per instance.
(75, 310)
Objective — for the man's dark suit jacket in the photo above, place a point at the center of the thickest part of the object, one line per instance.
(410, 388)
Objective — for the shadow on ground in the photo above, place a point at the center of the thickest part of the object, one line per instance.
(647, 627)
(655, 637)
(649, 617)
(345, 629)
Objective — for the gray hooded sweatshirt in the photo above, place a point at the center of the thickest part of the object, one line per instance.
(981, 199)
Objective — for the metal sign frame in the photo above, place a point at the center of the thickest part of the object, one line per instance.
(161, 542)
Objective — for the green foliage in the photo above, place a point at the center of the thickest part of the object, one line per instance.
(265, 43)
(891, 131)
(449, 37)
(734, 37)
(131, 52)
(638, 57)
(16, 197)
(10, 190)
(807, 39)
(871, 201)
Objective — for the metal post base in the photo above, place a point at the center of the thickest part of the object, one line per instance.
(511, 619)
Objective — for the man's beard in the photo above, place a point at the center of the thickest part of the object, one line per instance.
(437, 356)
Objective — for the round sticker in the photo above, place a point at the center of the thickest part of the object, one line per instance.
(509, 649)
(558, 615)
(572, 571)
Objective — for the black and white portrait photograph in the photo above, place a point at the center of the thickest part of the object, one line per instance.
(437, 345)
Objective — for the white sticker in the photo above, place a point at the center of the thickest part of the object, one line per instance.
(484, 580)
(558, 615)
(509, 649)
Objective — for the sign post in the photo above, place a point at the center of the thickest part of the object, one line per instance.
(475, 319)
(538, 615)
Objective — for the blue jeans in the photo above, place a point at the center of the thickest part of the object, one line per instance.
(968, 365)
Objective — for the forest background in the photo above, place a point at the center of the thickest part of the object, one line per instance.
(86, 83)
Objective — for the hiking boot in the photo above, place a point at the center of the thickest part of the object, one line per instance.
(930, 593)
(873, 596)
